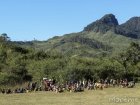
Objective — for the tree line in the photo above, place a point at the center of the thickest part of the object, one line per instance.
(19, 65)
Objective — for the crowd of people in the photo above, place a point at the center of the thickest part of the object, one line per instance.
(75, 86)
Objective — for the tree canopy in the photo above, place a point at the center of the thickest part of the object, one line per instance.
(19, 65)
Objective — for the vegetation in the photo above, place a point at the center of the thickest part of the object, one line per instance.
(19, 64)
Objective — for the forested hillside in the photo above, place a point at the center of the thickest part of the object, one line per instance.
(104, 49)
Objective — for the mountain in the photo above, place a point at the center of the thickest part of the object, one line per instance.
(106, 23)
(104, 37)
(130, 29)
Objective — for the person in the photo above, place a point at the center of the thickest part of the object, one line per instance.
(9, 91)
(105, 83)
(3, 91)
(114, 82)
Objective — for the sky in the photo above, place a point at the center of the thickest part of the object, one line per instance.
(25, 20)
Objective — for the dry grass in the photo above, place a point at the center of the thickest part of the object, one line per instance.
(92, 97)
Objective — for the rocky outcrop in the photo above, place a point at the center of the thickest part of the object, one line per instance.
(130, 29)
(107, 22)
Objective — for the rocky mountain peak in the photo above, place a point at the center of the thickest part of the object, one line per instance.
(133, 23)
(109, 19)
(106, 23)
(131, 28)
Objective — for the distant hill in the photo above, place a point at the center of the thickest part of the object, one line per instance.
(104, 37)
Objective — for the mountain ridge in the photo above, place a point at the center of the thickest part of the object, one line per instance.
(104, 37)
(108, 22)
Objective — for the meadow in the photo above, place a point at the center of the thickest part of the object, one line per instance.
(108, 96)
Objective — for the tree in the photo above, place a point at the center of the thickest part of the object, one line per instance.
(109, 68)
(129, 59)
(4, 37)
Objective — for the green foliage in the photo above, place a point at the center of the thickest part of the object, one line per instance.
(19, 64)
(130, 60)
(110, 68)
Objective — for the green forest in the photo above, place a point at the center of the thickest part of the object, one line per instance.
(20, 64)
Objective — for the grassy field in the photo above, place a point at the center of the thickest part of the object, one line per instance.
(109, 96)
